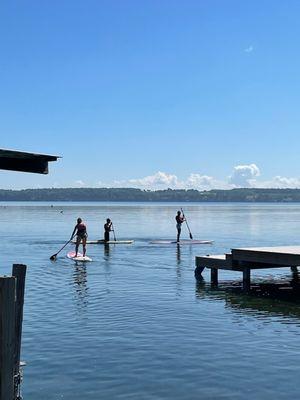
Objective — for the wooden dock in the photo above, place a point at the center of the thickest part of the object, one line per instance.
(246, 259)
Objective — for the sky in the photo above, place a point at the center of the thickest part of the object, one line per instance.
(152, 93)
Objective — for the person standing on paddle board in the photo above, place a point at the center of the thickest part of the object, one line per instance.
(179, 220)
(81, 236)
(107, 229)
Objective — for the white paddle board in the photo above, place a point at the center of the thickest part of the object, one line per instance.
(191, 242)
(79, 257)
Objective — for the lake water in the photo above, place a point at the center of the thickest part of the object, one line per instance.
(134, 323)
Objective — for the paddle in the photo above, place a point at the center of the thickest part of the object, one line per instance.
(53, 258)
(191, 236)
(113, 229)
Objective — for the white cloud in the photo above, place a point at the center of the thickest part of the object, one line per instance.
(244, 175)
(286, 182)
(204, 182)
(280, 182)
(79, 183)
(160, 179)
(197, 180)
(249, 49)
(164, 180)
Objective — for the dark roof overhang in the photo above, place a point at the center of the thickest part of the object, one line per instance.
(25, 162)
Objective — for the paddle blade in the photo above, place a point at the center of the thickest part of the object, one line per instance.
(191, 236)
(53, 258)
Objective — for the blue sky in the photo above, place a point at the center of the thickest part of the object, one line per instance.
(152, 93)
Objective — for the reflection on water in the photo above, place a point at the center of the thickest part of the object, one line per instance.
(80, 285)
(278, 298)
(178, 270)
(106, 250)
(178, 254)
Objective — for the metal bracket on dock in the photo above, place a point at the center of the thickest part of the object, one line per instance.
(18, 379)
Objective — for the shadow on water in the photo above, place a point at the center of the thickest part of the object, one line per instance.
(281, 297)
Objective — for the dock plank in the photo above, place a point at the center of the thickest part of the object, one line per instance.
(277, 255)
(221, 261)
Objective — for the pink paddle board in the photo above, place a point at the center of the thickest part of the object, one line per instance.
(79, 257)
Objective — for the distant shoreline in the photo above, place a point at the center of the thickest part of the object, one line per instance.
(241, 195)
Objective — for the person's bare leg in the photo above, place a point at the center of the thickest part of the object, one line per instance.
(84, 246)
(77, 246)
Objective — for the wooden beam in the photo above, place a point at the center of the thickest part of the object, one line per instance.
(7, 335)
(286, 255)
(219, 261)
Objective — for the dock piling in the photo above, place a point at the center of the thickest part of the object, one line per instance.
(214, 276)
(19, 272)
(198, 273)
(246, 279)
(7, 337)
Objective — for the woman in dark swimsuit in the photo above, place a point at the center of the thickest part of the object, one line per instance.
(81, 236)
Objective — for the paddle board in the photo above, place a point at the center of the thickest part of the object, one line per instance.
(181, 242)
(101, 241)
(79, 257)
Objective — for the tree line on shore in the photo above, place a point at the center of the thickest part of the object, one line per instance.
(168, 195)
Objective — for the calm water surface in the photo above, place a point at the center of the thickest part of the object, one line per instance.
(134, 324)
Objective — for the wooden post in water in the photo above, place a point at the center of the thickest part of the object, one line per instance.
(214, 276)
(19, 272)
(7, 337)
(198, 273)
(246, 278)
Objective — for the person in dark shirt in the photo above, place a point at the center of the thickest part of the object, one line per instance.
(179, 220)
(107, 229)
(81, 236)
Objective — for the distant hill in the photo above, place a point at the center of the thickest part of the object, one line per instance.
(131, 194)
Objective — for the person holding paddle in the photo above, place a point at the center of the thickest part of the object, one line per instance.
(179, 220)
(81, 236)
(107, 229)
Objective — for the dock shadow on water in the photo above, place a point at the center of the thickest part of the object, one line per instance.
(279, 297)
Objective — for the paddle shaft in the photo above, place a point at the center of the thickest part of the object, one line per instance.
(113, 229)
(191, 236)
(54, 255)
